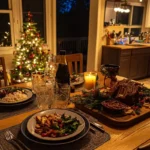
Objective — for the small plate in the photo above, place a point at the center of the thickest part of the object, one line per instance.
(33, 139)
(28, 93)
(32, 122)
(81, 80)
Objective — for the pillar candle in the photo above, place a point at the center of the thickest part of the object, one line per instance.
(90, 80)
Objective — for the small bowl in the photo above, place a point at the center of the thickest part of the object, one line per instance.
(109, 69)
(113, 106)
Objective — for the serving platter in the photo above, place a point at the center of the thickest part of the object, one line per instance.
(33, 139)
(32, 123)
(27, 92)
(116, 121)
(115, 109)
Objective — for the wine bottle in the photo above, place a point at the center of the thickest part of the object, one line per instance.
(62, 74)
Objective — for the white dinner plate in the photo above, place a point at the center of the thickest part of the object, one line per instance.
(81, 80)
(27, 92)
(32, 122)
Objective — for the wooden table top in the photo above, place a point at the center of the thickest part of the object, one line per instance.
(127, 139)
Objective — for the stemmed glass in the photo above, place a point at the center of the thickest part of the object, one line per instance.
(50, 70)
(109, 71)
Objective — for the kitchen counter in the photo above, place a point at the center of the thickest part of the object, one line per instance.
(134, 59)
(130, 46)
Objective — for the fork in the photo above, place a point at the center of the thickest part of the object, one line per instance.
(1, 148)
(11, 138)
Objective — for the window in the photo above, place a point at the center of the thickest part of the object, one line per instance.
(135, 31)
(6, 24)
(4, 5)
(137, 15)
(133, 20)
(36, 7)
(122, 18)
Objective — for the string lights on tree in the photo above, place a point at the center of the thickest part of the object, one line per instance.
(30, 54)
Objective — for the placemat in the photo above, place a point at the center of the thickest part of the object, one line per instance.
(90, 142)
(8, 111)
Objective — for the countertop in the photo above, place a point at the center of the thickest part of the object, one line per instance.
(130, 46)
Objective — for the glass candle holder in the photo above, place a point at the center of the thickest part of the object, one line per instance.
(90, 80)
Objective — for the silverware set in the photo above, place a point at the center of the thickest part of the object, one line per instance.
(1, 148)
(9, 136)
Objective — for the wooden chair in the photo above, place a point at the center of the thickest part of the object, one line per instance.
(75, 62)
(3, 74)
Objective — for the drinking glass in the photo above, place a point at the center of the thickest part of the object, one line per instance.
(37, 79)
(61, 97)
(43, 90)
(44, 99)
(50, 71)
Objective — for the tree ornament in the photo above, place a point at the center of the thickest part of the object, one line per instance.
(27, 74)
(34, 65)
(19, 67)
(32, 55)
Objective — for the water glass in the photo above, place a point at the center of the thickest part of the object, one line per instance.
(44, 96)
(61, 97)
(43, 91)
(37, 80)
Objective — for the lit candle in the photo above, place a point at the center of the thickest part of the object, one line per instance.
(90, 80)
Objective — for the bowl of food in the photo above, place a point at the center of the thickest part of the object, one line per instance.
(114, 106)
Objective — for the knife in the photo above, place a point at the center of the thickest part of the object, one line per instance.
(144, 146)
(97, 126)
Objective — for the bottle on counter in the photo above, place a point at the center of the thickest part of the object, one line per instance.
(62, 74)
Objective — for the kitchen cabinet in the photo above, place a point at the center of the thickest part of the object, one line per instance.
(134, 62)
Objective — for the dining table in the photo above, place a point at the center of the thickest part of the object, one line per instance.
(120, 139)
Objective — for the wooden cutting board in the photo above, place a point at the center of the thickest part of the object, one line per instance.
(117, 121)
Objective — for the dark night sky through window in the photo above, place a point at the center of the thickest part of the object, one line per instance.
(65, 6)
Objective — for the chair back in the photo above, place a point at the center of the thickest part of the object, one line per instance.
(75, 62)
(3, 74)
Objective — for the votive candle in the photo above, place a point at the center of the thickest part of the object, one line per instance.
(90, 80)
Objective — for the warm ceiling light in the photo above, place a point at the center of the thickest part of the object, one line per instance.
(123, 7)
(140, 0)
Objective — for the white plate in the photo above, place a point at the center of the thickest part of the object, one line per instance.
(81, 80)
(28, 93)
(32, 122)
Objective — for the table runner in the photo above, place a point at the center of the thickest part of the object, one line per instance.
(8, 111)
(90, 142)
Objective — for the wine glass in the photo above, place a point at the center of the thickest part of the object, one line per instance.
(109, 71)
(50, 71)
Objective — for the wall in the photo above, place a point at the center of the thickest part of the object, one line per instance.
(109, 14)
(8, 61)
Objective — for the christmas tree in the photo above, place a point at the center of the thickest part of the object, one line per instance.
(30, 54)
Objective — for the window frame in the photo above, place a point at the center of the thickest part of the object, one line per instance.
(9, 11)
(130, 26)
